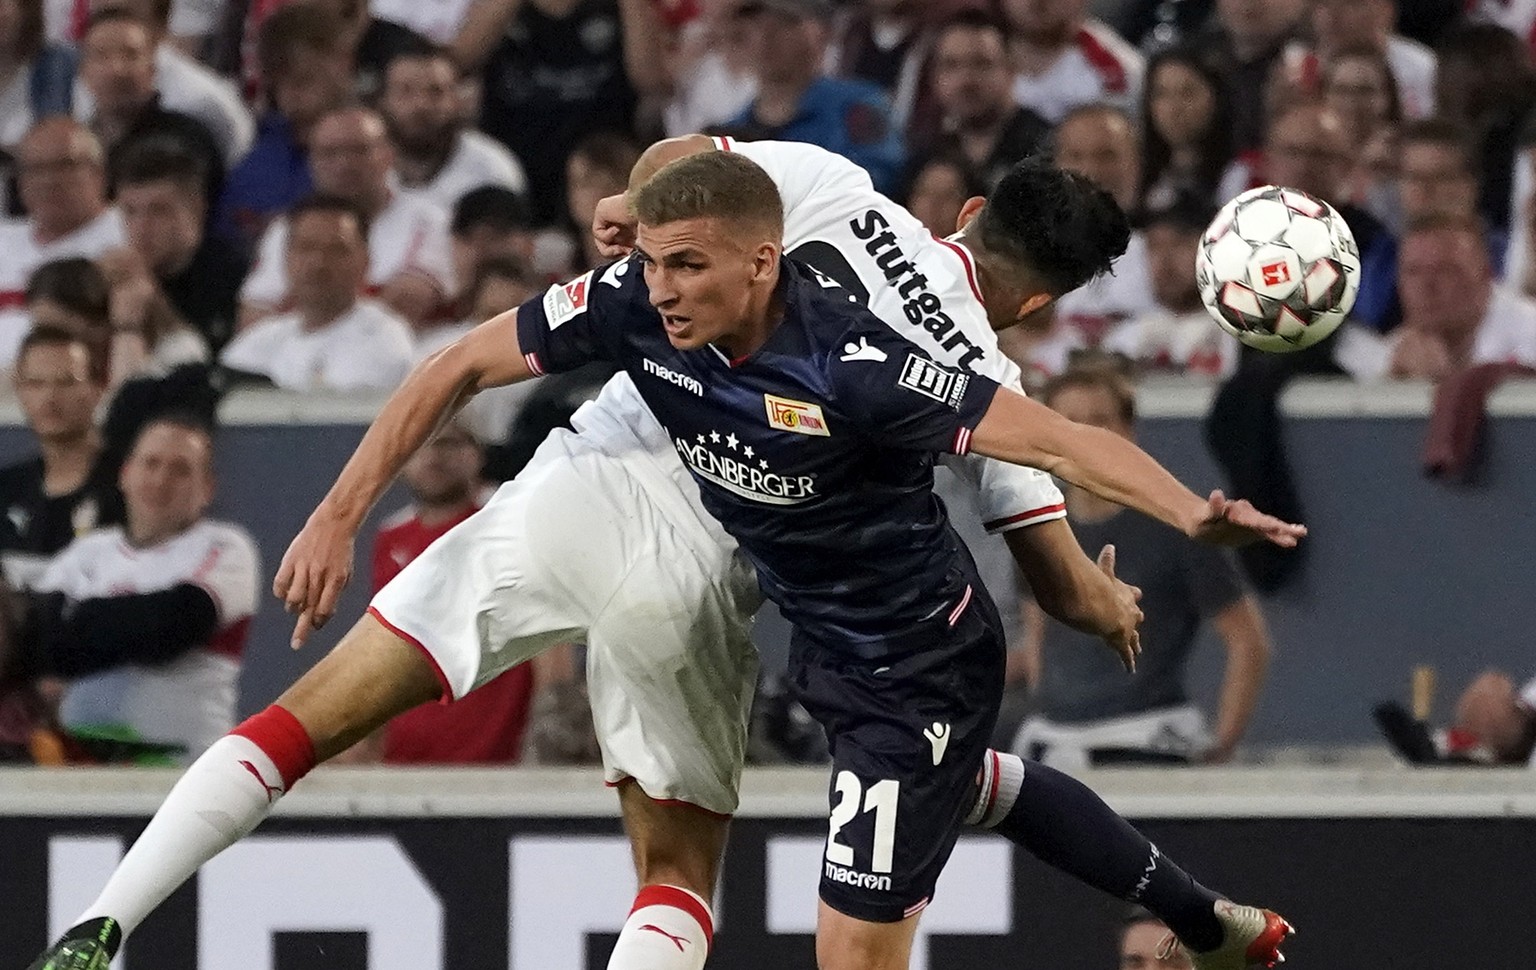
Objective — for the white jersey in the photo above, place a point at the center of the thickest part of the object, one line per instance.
(23, 254)
(191, 700)
(476, 160)
(1096, 66)
(409, 236)
(366, 348)
(921, 286)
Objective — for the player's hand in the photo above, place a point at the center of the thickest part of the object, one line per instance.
(613, 227)
(1123, 634)
(315, 569)
(1238, 523)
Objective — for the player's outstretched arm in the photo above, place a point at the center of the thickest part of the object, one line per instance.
(1025, 432)
(318, 563)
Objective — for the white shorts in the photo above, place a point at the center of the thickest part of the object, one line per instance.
(581, 548)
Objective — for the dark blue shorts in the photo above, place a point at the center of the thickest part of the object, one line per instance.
(907, 736)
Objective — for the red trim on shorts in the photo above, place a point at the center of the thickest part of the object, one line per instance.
(675, 802)
(679, 899)
(964, 602)
(1024, 516)
(437, 669)
(281, 738)
(970, 269)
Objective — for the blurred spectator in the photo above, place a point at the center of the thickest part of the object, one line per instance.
(485, 726)
(496, 286)
(972, 82)
(368, 41)
(489, 223)
(938, 190)
(556, 71)
(599, 166)
(185, 85)
(62, 178)
(1142, 936)
(1248, 39)
(884, 42)
(797, 101)
(1357, 86)
(1453, 314)
(710, 70)
(1065, 59)
(1178, 335)
(436, 154)
(1493, 715)
(331, 339)
(116, 306)
(306, 68)
(409, 261)
(117, 66)
(1088, 709)
(36, 77)
(150, 618)
(65, 490)
(1098, 142)
(1368, 25)
(164, 212)
(1186, 139)
(1486, 81)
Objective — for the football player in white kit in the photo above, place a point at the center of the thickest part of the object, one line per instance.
(602, 539)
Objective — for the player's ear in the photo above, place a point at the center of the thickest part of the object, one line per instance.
(968, 211)
(765, 261)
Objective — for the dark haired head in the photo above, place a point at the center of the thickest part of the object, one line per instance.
(160, 160)
(1057, 225)
(493, 207)
(1214, 146)
(176, 417)
(501, 268)
(76, 284)
(321, 202)
(47, 335)
(969, 18)
(294, 28)
(115, 15)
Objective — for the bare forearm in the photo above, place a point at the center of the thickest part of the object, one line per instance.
(1248, 649)
(483, 26)
(1022, 431)
(1065, 582)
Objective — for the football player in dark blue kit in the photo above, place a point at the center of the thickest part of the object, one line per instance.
(811, 429)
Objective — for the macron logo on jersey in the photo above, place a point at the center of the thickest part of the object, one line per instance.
(564, 303)
(673, 377)
(787, 414)
(930, 380)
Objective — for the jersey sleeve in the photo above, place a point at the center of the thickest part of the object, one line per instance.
(575, 323)
(268, 282)
(806, 175)
(899, 397)
(230, 573)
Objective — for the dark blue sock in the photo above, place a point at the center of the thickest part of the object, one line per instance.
(1061, 822)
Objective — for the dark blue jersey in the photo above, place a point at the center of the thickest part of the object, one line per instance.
(816, 452)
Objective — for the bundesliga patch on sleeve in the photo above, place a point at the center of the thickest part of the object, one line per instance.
(787, 414)
(565, 302)
(930, 380)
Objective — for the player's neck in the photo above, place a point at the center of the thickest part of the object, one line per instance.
(764, 314)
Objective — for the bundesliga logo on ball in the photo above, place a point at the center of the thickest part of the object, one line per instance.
(1278, 268)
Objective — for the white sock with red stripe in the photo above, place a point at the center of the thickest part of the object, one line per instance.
(669, 928)
(223, 796)
(1001, 777)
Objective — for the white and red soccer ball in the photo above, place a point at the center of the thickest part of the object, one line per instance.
(1278, 268)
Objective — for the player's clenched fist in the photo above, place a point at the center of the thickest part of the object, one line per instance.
(613, 226)
(315, 569)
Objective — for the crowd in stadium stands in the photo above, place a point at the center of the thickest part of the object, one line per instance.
(315, 194)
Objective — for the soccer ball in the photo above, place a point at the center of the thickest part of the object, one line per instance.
(1278, 268)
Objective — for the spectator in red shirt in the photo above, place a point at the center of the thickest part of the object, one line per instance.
(486, 726)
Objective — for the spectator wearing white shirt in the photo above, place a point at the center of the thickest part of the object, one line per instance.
(1098, 142)
(1177, 335)
(410, 269)
(150, 618)
(1064, 58)
(332, 339)
(61, 172)
(185, 85)
(1453, 314)
(1339, 25)
(437, 154)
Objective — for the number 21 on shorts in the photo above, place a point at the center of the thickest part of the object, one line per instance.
(879, 798)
